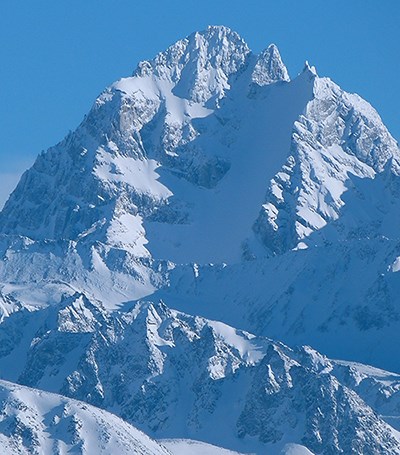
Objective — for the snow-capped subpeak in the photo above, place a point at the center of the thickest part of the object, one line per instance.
(338, 139)
(269, 67)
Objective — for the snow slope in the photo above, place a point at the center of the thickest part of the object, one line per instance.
(36, 422)
(186, 446)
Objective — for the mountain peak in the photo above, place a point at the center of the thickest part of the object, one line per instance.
(216, 38)
(200, 65)
(220, 31)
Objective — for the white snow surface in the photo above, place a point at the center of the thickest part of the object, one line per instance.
(295, 449)
(36, 422)
(188, 446)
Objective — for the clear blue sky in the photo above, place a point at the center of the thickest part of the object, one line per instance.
(58, 55)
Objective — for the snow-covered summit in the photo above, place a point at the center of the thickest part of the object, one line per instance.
(200, 65)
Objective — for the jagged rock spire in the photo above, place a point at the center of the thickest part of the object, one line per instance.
(269, 67)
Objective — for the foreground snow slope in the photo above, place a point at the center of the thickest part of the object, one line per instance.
(188, 446)
(36, 422)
